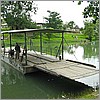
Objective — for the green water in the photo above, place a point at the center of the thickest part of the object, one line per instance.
(40, 85)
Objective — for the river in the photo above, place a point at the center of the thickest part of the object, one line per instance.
(40, 85)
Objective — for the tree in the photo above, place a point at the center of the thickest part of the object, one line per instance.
(96, 29)
(92, 10)
(71, 24)
(65, 26)
(17, 13)
(53, 21)
(91, 30)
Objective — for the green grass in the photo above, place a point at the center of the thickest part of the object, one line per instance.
(49, 46)
(90, 95)
(87, 94)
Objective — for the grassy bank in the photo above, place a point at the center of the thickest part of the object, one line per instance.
(91, 95)
(49, 45)
(70, 38)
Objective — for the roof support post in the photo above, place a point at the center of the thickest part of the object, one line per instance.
(10, 41)
(41, 43)
(30, 44)
(25, 50)
(4, 44)
(62, 45)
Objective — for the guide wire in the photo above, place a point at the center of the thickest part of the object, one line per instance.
(68, 45)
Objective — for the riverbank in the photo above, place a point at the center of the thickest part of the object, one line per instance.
(92, 95)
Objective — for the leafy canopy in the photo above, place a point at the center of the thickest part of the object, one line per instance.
(53, 20)
(92, 10)
(91, 30)
(70, 25)
(17, 13)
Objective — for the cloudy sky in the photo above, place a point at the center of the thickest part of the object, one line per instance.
(68, 10)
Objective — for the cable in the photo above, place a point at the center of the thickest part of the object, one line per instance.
(68, 45)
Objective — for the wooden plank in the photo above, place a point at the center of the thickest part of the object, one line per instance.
(68, 70)
(85, 66)
(35, 60)
(81, 63)
(73, 71)
(69, 74)
(44, 57)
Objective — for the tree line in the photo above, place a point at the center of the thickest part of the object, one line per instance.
(17, 16)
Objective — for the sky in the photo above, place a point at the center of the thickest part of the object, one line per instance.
(68, 10)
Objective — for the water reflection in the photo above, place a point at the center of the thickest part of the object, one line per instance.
(91, 50)
(9, 75)
(84, 52)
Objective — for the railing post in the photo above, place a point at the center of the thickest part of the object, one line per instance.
(30, 44)
(10, 41)
(4, 44)
(62, 45)
(25, 50)
(41, 43)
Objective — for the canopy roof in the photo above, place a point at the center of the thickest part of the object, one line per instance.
(37, 30)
